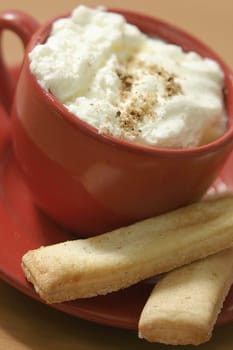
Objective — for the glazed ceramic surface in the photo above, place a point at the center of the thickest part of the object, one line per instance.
(23, 226)
(92, 183)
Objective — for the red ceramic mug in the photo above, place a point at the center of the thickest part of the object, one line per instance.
(92, 183)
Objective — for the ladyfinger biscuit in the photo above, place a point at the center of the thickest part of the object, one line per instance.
(183, 307)
(99, 265)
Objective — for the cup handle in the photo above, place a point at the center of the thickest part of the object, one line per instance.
(24, 26)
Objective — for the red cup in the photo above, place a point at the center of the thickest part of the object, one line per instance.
(92, 183)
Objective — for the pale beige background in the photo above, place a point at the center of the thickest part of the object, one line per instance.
(26, 324)
(212, 21)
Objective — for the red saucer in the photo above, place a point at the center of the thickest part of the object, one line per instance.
(24, 227)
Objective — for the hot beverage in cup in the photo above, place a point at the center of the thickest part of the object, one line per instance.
(116, 117)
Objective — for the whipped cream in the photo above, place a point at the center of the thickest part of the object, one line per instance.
(128, 85)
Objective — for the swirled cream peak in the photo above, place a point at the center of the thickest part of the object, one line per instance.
(128, 85)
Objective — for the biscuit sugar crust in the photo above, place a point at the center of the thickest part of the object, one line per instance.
(184, 305)
(99, 265)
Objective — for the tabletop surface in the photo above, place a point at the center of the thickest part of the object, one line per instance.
(27, 324)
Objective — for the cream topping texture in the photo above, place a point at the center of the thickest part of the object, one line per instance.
(129, 85)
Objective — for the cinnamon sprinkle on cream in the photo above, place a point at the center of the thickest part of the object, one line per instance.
(138, 106)
(128, 84)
